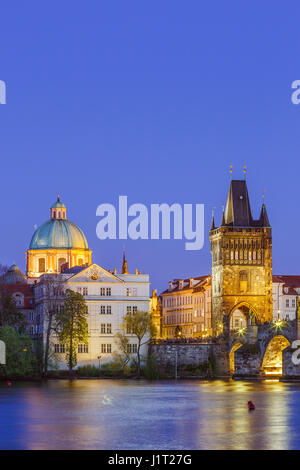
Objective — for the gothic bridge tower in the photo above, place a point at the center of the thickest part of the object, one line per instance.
(241, 263)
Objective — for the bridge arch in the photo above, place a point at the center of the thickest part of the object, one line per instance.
(272, 360)
(234, 348)
(241, 315)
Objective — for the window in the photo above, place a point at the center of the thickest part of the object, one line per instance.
(243, 281)
(132, 348)
(293, 303)
(105, 348)
(83, 348)
(287, 302)
(42, 265)
(108, 310)
(134, 309)
(79, 290)
(106, 328)
(59, 348)
(108, 291)
(80, 262)
(84, 291)
(128, 292)
(19, 299)
(134, 292)
(128, 310)
(61, 261)
(102, 291)
(102, 309)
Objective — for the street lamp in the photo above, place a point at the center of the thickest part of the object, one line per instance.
(99, 357)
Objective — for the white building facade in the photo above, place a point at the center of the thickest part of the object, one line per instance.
(108, 296)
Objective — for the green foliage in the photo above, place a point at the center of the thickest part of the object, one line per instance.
(88, 371)
(122, 356)
(9, 313)
(72, 325)
(20, 357)
(151, 370)
(116, 368)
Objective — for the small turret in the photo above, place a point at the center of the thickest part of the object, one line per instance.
(124, 265)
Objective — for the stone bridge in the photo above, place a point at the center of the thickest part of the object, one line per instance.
(258, 351)
(263, 350)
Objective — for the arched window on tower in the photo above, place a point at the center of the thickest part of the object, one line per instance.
(42, 265)
(54, 214)
(243, 281)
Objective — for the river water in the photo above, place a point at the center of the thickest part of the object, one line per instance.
(128, 414)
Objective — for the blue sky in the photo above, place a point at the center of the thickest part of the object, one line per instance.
(153, 100)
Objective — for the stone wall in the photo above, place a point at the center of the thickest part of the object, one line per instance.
(191, 354)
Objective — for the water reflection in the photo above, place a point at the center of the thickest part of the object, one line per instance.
(109, 414)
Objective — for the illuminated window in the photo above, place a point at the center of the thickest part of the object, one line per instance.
(80, 262)
(243, 281)
(42, 265)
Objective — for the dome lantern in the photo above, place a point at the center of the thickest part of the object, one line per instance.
(58, 210)
(56, 244)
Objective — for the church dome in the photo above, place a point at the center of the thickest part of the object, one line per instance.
(58, 232)
(13, 276)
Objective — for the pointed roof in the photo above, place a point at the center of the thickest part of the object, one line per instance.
(124, 265)
(238, 210)
(212, 227)
(223, 218)
(264, 219)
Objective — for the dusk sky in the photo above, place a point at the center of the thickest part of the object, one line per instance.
(153, 100)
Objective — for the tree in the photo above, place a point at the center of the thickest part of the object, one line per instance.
(139, 324)
(52, 294)
(72, 326)
(20, 356)
(9, 313)
(123, 356)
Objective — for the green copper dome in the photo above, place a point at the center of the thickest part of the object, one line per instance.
(13, 276)
(58, 233)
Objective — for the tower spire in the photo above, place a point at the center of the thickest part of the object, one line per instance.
(264, 219)
(244, 171)
(223, 217)
(124, 265)
(212, 227)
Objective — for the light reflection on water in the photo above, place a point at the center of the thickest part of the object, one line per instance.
(113, 414)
